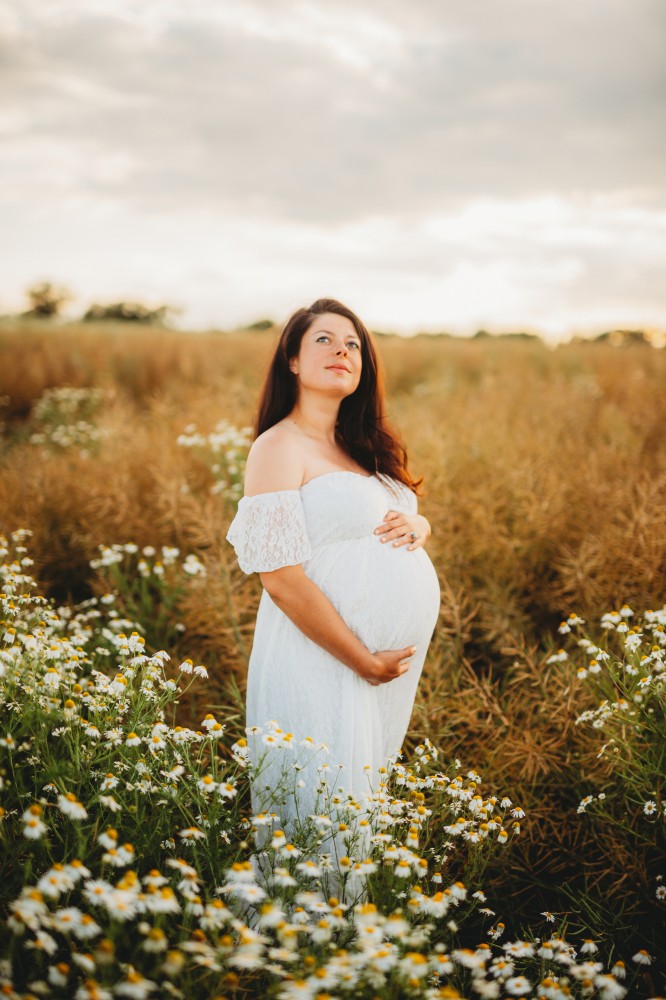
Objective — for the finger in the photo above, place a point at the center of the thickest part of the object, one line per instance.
(381, 528)
(390, 526)
(406, 653)
(391, 514)
(391, 533)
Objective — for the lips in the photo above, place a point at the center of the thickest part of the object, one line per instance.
(339, 368)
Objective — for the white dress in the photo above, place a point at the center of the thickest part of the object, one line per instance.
(389, 597)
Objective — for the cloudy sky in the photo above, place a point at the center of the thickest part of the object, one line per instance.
(436, 165)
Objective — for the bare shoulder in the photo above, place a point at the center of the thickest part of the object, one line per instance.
(275, 462)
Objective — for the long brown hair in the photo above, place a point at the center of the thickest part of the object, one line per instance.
(362, 428)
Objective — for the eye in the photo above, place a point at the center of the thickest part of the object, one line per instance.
(354, 343)
(323, 336)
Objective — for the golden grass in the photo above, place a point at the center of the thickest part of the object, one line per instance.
(545, 476)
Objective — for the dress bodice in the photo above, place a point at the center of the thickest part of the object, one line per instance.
(285, 527)
(343, 505)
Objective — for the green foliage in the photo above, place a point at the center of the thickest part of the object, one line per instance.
(625, 674)
(66, 416)
(224, 451)
(149, 585)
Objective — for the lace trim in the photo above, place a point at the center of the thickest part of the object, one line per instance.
(269, 532)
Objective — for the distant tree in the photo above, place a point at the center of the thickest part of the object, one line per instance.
(624, 338)
(261, 324)
(520, 335)
(46, 300)
(126, 312)
(481, 333)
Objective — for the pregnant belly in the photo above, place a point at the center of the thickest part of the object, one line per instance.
(389, 597)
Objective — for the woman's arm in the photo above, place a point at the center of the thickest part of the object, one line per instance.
(301, 600)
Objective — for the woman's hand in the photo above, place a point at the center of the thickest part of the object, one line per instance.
(388, 664)
(411, 530)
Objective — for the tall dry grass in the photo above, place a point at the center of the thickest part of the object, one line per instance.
(545, 479)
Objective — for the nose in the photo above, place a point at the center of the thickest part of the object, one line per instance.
(343, 350)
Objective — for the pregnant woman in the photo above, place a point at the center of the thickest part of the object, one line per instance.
(329, 520)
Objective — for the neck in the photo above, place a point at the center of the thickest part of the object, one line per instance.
(316, 417)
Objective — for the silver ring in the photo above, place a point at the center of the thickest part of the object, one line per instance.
(412, 535)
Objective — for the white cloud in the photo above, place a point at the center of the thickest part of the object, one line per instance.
(442, 164)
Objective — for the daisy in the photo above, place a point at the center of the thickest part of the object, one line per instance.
(207, 783)
(289, 851)
(43, 942)
(282, 877)
(501, 968)
(77, 870)
(110, 803)
(155, 942)
(518, 949)
(97, 891)
(163, 901)
(363, 868)
(136, 986)
(518, 986)
(470, 958)
(458, 890)
(91, 990)
(33, 827)
(87, 928)
(57, 974)
(215, 916)
(185, 869)
(414, 965)
(108, 839)
(309, 868)
(194, 906)
(609, 988)
(67, 920)
(55, 881)
(192, 833)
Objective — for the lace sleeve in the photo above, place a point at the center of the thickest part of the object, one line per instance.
(269, 532)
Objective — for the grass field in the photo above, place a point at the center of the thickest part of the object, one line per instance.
(545, 484)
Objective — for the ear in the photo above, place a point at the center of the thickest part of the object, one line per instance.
(293, 366)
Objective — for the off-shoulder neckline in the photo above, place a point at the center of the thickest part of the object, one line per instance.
(333, 472)
(336, 472)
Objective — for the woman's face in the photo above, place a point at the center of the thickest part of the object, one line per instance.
(329, 359)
